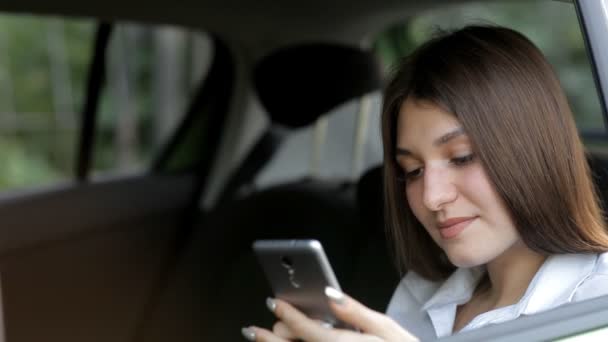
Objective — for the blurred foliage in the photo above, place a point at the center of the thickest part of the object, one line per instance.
(551, 25)
(150, 59)
(44, 64)
(22, 168)
(36, 145)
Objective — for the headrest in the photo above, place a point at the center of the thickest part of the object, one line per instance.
(298, 84)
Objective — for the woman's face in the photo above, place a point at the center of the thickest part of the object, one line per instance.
(447, 188)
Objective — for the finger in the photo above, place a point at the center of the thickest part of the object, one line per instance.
(282, 330)
(300, 325)
(351, 312)
(262, 335)
(350, 336)
(323, 324)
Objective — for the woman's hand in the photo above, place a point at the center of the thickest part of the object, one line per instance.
(294, 325)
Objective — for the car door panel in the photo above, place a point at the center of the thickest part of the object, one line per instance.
(70, 271)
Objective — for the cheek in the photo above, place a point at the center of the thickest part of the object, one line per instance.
(476, 186)
(475, 177)
(485, 197)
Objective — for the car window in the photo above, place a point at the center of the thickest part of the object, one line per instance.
(43, 67)
(151, 76)
(557, 33)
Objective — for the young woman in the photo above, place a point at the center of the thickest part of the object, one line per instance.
(490, 204)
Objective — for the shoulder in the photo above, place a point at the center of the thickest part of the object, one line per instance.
(595, 284)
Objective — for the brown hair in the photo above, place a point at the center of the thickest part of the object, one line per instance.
(512, 107)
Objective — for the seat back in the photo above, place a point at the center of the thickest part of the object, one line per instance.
(235, 287)
(375, 277)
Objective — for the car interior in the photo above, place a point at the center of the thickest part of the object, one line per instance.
(165, 254)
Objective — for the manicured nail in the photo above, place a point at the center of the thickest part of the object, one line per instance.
(271, 304)
(248, 333)
(327, 325)
(335, 295)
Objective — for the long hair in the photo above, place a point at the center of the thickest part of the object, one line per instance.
(511, 105)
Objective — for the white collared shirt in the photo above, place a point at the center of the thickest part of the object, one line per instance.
(427, 309)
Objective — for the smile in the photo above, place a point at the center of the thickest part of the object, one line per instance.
(454, 227)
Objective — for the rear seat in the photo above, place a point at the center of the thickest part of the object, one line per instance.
(309, 209)
(219, 287)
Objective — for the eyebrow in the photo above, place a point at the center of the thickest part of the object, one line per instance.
(442, 140)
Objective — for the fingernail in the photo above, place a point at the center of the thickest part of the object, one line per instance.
(335, 295)
(271, 304)
(327, 325)
(248, 333)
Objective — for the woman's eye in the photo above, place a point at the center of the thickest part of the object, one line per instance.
(463, 160)
(413, 174)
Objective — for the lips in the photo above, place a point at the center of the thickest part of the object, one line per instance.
(452, 227)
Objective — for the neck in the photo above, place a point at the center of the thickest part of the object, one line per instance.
(510, 274)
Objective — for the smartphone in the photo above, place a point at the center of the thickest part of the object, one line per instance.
(298, 272)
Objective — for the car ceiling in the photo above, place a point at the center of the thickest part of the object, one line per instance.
(259, 26)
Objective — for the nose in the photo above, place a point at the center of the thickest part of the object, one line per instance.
(438, 188)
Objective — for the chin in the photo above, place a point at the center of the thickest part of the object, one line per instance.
(466, 259)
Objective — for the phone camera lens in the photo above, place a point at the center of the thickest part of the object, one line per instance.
(286, 262)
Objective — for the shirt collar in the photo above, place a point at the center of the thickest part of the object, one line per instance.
(458, 288)
(420, 288)
(556, 281)
(553, 284)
